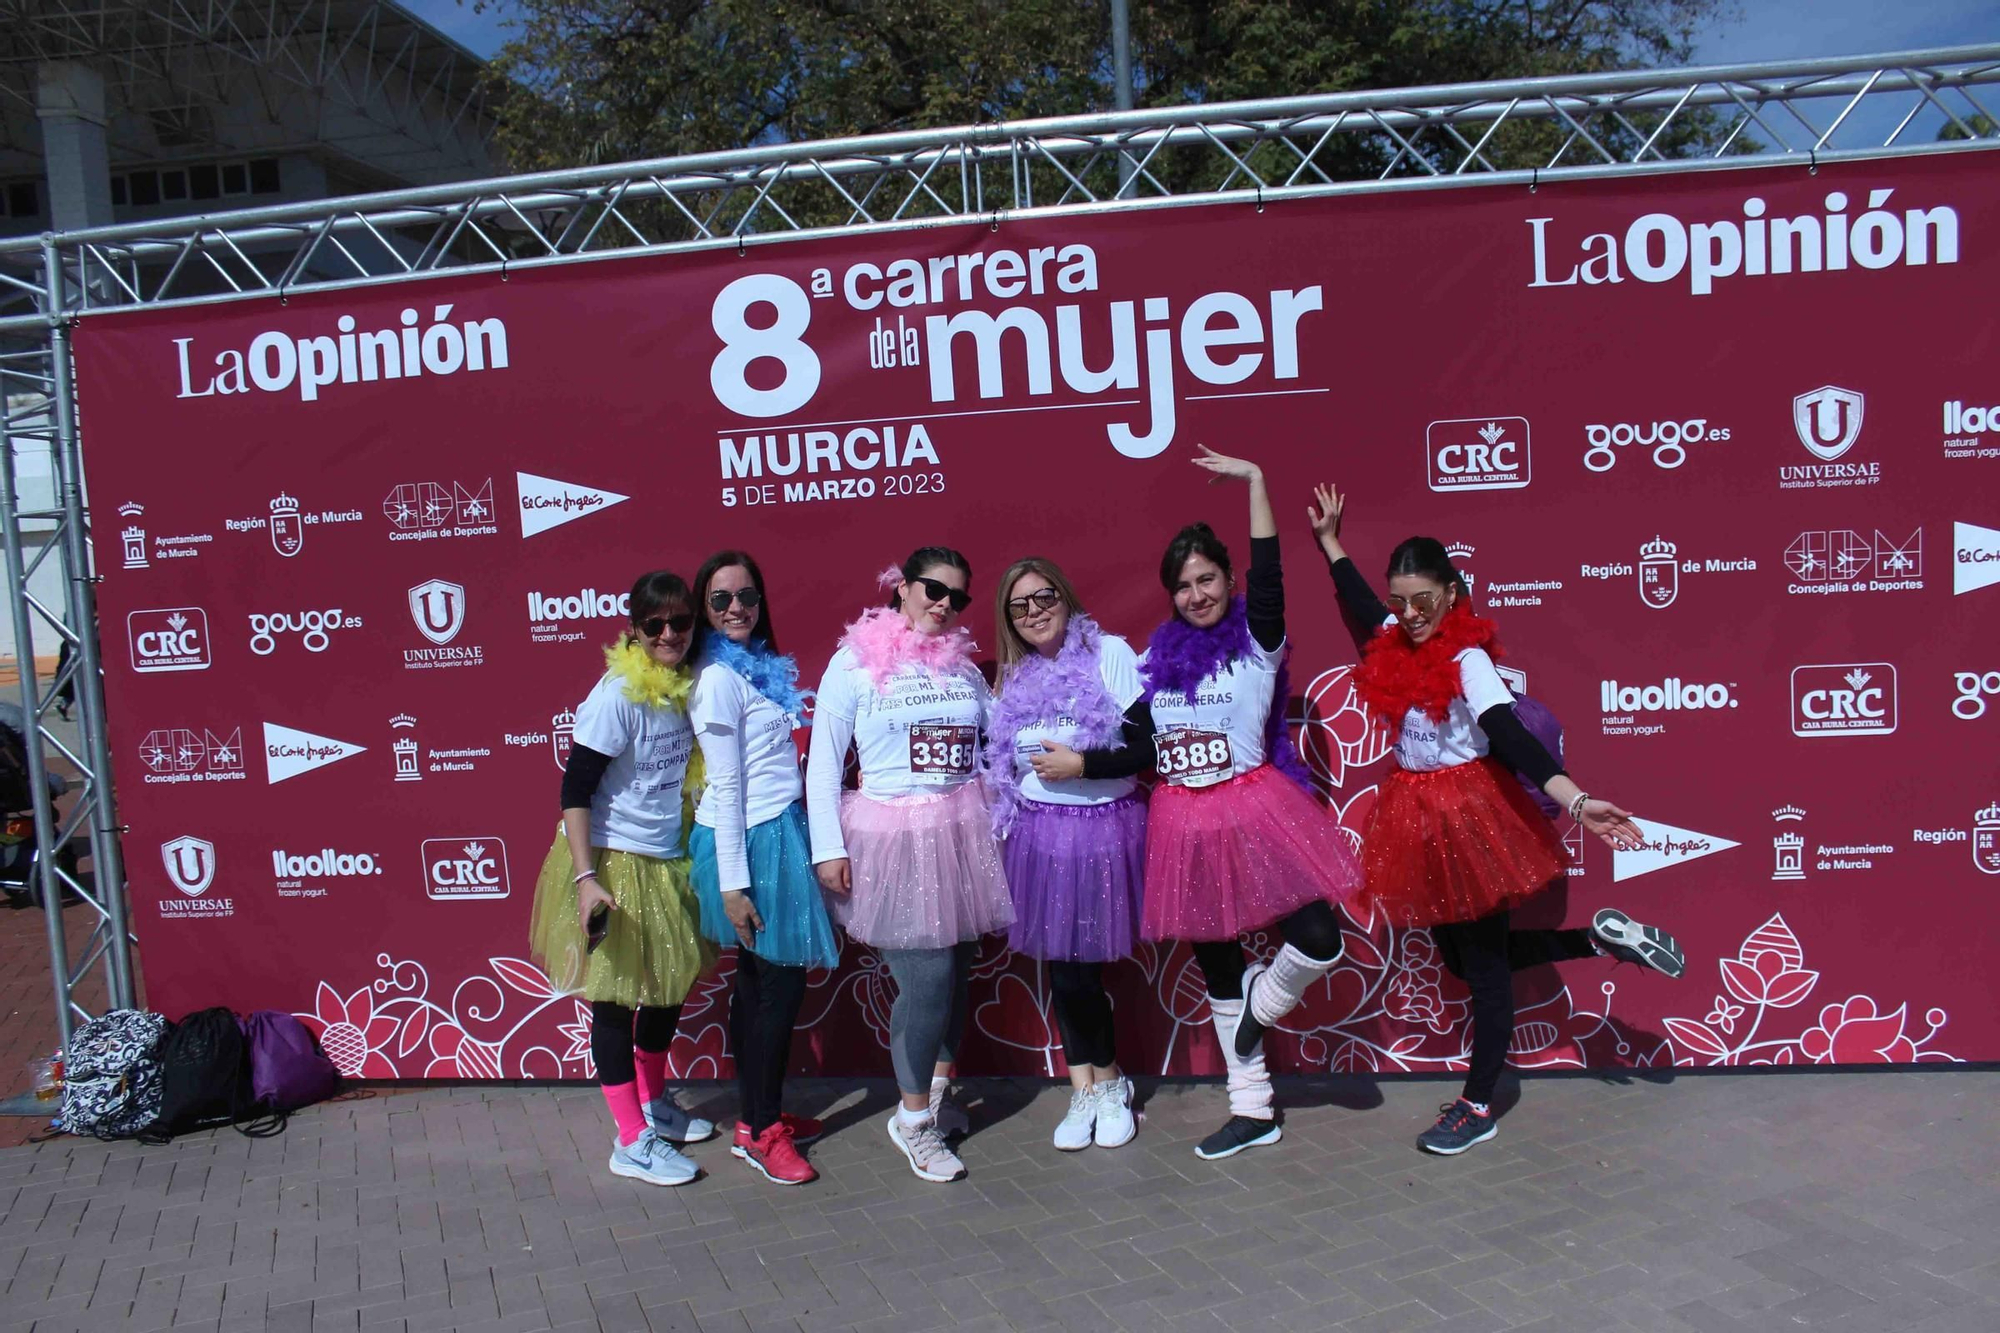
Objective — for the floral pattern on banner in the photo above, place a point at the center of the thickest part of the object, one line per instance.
(1389, 1006)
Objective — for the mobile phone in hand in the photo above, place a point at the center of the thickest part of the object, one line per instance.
(598, 927)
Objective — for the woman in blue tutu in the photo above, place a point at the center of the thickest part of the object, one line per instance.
(1062, 764)
(752, 858)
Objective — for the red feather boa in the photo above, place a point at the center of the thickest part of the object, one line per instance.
(1396, 675)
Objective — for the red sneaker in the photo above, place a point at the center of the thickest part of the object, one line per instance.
(804, 1129)
(774, 1155)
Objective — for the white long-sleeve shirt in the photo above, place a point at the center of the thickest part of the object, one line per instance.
(753, 767)
(918, 734)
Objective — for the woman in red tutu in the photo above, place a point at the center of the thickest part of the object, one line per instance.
(1235, 841)
(1456, 840)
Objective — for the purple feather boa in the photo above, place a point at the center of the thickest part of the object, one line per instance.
(1035, 692)
(1180, 657)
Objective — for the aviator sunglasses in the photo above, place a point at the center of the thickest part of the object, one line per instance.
(1044, 599)
(748, 597)
(653, 625)
(938, 592)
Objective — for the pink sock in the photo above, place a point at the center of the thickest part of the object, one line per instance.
(623, 1099)
(651, 1074)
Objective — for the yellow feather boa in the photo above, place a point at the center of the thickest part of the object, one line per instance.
(645, 681)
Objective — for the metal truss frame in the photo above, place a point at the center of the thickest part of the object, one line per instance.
(1521, 132)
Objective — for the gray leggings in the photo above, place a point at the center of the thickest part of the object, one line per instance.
(927, 1019)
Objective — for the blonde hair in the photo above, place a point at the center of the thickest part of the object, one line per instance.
(1011, 646)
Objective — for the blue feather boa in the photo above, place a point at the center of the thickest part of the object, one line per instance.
(773, 675)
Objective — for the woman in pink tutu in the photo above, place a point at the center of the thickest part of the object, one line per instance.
(1063, 754)
(910, 857)
(1455, 839)
(1235, 841)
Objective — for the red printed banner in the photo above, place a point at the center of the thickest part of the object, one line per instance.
(1720, 453)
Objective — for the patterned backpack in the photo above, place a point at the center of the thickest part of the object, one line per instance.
(111, 1074)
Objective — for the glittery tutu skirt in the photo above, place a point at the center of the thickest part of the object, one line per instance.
(783, 887)
(926, 870)
(1455, 845)
(653, 947)
(1237, 856)
(1076, 873)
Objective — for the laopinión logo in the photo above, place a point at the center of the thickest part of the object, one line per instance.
(277, 361)
(437, 609)
(1667, 441)
(431, 510)
(1827, 421)
(173, 755)
(190, 865)
(1975, 557)
(1844, 699)
(1832, 561)
(312, 874)
(1479, 454)
(168, 638)
(465, 868)
(315, 629)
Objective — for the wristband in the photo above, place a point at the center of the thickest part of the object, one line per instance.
(1576, 806)
(588, 874)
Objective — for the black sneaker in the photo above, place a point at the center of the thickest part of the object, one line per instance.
(1630, 942)
(1239, 1133)
(1248, 1030)
(1458, 1128)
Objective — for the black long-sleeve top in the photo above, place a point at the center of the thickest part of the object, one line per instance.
(1511, 743)
(581, 775)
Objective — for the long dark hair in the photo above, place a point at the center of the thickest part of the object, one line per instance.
(715, 564)
(660, 592)
(1194, 539)
(1427, 558)
(930, 557)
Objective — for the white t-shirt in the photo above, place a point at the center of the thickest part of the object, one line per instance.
(753, 767)
(1234, 702)
(1118, 666)
(1424, 746)
(637, 806)
(919, 734)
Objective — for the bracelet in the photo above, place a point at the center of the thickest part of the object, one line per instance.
(1576, 806)
(588, 874)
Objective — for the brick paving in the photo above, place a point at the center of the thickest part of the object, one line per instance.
(1837, 1201)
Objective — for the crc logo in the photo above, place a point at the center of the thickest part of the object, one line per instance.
(1974, 689)
(465, 868)
(1828, 421)
(1667, 439)
(1479, 454)
(1844, 699)
(190, 864)
(314, 628)
(438, 608)
(169, 638)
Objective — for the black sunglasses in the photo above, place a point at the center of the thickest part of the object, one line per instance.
(749, 598)
(679, 624)
(1043, 598)
(938, 592)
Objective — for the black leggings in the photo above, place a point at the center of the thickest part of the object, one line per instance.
(615, 1030)
(1083, 1014)
(1485, 955)
(763, 1010)
(1314, 930)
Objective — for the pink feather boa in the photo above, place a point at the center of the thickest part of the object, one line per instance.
(883, 642)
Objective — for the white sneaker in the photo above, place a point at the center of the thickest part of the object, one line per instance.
(1115, 1122)
(952, 1121)
(925, 1148)
(1074, 1133)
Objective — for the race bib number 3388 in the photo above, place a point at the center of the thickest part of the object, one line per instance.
(941, 752)
(1189, 757)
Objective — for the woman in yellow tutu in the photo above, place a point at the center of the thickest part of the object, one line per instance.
(625, 928)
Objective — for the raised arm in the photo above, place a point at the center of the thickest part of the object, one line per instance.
(1360, 609)
(1264, 588)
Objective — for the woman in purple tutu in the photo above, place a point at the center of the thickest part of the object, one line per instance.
(1235, 841)
(910, 857)
(1062, 765)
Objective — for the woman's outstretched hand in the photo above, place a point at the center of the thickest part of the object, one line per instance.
(1222, 465)
(1613, 825)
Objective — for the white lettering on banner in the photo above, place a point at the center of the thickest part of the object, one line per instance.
(1844, 699)
(169, 638)
(314, 628)
(1963, 426)
(1827, 562)
(1667, 439)
(1660, 247)
(176, 755)
(1261, 334)
(290, 871)
(461, 868)
(860, 449)
(1479, 454)
(1974, 689)
(190, 867)
(426, 511)
(1975, 557)
(276, 361)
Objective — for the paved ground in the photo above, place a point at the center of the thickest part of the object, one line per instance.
(1825, 1201)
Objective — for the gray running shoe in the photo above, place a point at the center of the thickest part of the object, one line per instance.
(673, 1122)
(1079, 1122)
(1458, 1128)
(925, 1148)
(1630, 942)
(652, 1159)
(1115, 1122)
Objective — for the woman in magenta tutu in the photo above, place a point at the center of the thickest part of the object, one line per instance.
(910, 857)
(1235, 841)
(1455, 839)
(1062, 760)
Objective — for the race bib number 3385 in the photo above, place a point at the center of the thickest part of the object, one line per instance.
(1189, 757)
(941, 752)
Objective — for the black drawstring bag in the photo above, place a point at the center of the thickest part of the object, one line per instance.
(205, 1081)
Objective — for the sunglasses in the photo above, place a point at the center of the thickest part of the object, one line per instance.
(654, 625)
(939, 592)
(1423, 603)
(1041, 599)
(748, 598)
